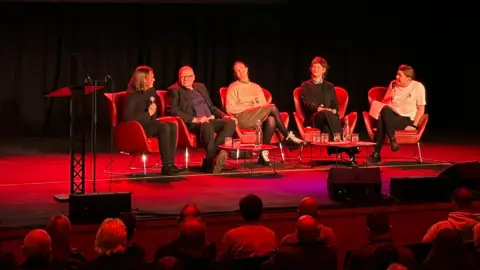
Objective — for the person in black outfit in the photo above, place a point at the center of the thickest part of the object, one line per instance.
(140, 106)
(320, 104)
(191, 102)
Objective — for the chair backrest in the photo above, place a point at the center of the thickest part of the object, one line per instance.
(342, 96)
(115, 106)
(223, 96)
(376, 93)
(163, 102)
(298, 102)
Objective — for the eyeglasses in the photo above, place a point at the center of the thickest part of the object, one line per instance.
(187, 77)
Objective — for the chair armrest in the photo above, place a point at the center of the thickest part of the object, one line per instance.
(422, 124)
(368, 124)
(352, 120)
(185, 139)
(299, 121)
(130, 137)
(285, 118)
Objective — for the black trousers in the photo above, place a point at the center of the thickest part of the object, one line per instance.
(329, 123)
(270, 125)
(166, 134)
(206, 132)
(389, 121)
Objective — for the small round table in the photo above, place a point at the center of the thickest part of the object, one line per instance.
(252, 149)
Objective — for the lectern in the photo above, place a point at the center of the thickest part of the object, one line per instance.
(78, 122)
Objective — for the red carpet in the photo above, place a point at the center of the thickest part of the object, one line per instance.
(28, 182)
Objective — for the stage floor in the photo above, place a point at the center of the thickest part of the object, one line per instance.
(29, 182)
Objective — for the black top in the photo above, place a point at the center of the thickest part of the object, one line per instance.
(136, 106)
(181, 103)
(318, 95)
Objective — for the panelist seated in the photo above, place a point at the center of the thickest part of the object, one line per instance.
(191, 101)
(404, 107)
(246, 102)
(140, 106)
(320, 104)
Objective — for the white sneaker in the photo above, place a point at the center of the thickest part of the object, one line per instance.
(294, 138)
(264, 155)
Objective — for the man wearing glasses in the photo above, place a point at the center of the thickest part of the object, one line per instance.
(191, 101)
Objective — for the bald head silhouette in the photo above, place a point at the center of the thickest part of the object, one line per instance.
(308, 206)
(462, 198)
(307, 229)
(189, 210)
(193, 231)
(37, 244)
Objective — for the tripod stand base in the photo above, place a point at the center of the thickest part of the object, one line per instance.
(62, 197)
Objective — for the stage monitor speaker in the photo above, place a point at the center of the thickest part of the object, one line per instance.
(96, 207)
(354, 183)
(467, 170)
(422, 189)
(463, 175)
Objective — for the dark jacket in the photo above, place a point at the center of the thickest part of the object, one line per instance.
(313, 96)
(181, 104)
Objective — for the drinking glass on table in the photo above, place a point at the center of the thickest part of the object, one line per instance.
(325, 137)
(236, 143)
(228, 142)
(355, 137)
(337, 137)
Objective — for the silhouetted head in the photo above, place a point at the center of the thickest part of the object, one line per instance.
(189, 210)
(251, 207)
(307, 229)
(308, 206)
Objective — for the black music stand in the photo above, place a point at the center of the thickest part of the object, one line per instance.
(77, 94)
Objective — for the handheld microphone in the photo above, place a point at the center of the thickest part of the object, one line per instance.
(394, 83)
(152, 100)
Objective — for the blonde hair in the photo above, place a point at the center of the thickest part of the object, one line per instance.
(137, 82)
(111, 237)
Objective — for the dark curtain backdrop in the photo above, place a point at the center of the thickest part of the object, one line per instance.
(363, 46)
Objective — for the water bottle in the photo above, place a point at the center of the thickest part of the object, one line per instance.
(346, 131)
(258, 134)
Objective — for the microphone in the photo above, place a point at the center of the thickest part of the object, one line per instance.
(394, 83)
(152, 100)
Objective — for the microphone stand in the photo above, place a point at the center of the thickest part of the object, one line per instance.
(112, 87)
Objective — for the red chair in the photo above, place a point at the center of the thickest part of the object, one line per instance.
(307, 133)
(130, 137)
(402, 136)
(247, 135)
(185, 137)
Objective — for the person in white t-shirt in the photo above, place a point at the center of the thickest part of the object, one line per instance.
(405, 99)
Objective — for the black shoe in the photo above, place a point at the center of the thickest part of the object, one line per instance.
(219, 162)
(394, 145)
(174, 168)
(207, 165)
(374, 158)
(353, 161)
(170, 169)
(263, 159)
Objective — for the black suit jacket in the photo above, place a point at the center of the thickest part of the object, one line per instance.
(312, 98)
(181, 104)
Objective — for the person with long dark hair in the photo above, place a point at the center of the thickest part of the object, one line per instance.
(140, 106)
